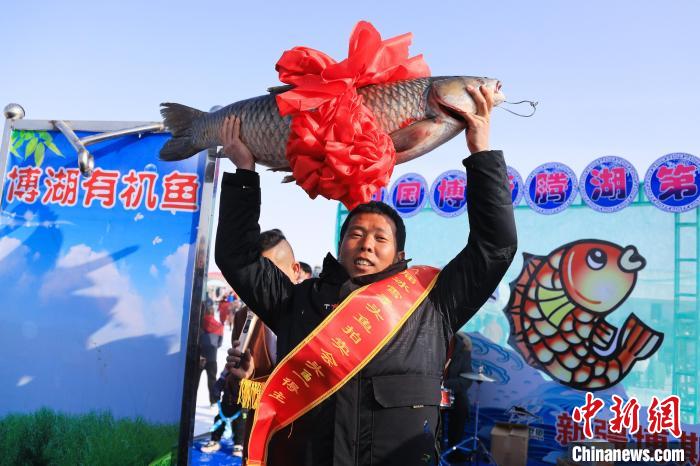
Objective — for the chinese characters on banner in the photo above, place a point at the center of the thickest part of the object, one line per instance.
(448, 194)
(609, 184)
(672, 182)
(550, 188)
(379, 196)
(105, 188)
(408, 194)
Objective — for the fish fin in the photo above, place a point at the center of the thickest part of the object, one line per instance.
(288, 179)
(603, 334)
(530, 264)
(178, 119)
(421, 137)
(279, 89)
(518, 288)
(516, 314)
(639, 341)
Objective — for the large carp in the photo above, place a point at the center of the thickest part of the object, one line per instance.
(419, 115)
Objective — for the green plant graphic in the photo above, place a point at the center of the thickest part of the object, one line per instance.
(37, 142)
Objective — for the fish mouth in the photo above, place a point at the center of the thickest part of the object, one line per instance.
(631, 261)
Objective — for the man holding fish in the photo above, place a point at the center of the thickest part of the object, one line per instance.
(362, 347)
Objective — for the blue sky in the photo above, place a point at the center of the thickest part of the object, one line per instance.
(612, 78)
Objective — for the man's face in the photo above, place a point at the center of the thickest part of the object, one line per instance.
(369, 245)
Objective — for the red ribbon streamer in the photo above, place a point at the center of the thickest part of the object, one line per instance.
(336, 147)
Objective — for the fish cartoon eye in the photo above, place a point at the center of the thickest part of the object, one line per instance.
(596, 259)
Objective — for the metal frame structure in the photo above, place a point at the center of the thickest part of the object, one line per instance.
(113, 129)
(686, 317)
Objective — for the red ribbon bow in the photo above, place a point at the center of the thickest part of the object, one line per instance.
(336, 147)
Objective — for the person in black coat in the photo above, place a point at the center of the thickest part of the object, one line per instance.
(460, 363)
(387, 413)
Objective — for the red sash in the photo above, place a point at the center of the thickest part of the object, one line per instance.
(335, 351)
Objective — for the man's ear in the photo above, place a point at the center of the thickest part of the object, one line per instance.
(296, 269)
(400, 256)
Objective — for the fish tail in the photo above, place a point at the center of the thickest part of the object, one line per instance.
(179, 119)
(637, 342)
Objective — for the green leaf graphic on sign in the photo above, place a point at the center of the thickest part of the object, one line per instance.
(39, 141)
(29, 150)
(16, 145)
(39, 155)
(48, 142)
(53, 148)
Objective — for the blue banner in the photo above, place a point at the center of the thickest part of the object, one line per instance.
(96, 278)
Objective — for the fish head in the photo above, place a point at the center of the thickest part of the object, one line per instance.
(449, 96)
(599, 276)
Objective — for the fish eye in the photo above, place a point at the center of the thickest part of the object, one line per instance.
(596, 259)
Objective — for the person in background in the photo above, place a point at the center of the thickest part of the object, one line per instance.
(226, 308)
(460, 362)
(262, 349)
(210, 339)
(306, 272)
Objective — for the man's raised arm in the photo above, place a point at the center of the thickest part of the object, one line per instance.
(259, 283)
(468, 280)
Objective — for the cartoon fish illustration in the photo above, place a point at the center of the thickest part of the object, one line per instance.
(557, 312)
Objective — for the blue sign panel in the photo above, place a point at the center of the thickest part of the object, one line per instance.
(448, 194)
(672, 183)
(551, 188)
(408, 194)
(96, 278)
(609, 184)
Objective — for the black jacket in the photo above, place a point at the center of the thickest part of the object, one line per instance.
(387, 414)
(461, 362)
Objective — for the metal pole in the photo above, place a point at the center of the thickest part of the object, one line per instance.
(95, 138)
(12, 112)
(190, 382)
(86, 161)
(476, 424)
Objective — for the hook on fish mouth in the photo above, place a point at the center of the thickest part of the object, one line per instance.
(532, 104)
(631, 260)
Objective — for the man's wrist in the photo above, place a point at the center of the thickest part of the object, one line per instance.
(247, 166)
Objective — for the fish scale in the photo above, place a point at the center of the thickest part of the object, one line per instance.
(395, 104)
(266, 133)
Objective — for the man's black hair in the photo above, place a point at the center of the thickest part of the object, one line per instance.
(375, 207)
(306, 268)
(270, 238)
